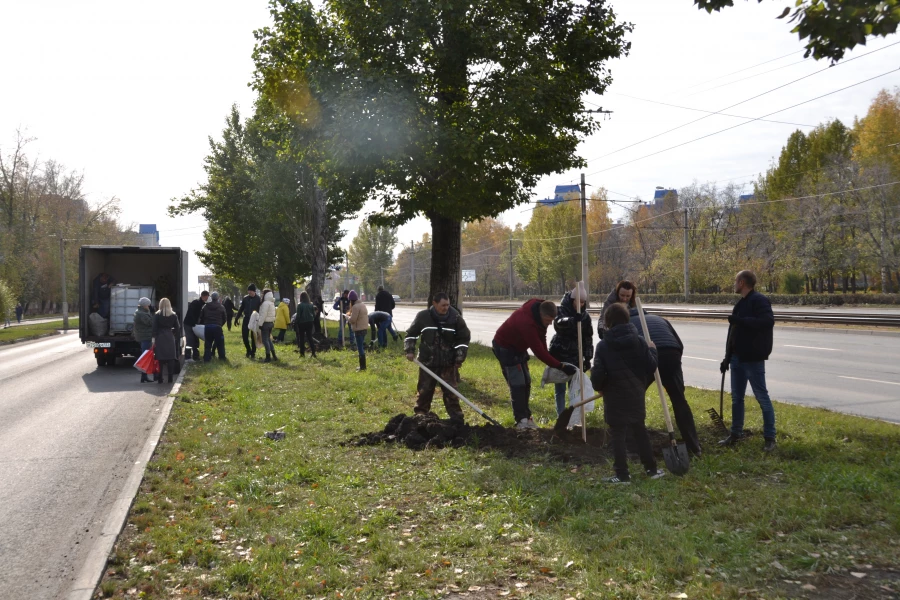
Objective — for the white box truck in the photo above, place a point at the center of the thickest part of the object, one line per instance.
(135, 271)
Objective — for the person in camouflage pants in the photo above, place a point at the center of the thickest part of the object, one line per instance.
(444, 345)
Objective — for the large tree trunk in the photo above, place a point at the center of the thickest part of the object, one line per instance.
(286, 289)
(319, 245)
(446, 234)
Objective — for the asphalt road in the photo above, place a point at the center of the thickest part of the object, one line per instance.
(847, 372)
(69, 435)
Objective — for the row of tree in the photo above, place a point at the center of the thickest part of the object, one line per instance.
(41, 203)
(825, 217)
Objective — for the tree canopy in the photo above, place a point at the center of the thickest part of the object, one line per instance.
(452, 110)
(832, 26)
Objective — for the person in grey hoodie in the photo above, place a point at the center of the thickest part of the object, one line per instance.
(143, 329)
(267, 313)
(213, 316)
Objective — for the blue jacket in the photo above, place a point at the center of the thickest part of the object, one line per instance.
(751, 327)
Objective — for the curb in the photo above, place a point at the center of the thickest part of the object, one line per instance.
(91, 571)
(37, 338)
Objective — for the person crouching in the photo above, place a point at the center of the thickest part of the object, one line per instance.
(624, 367)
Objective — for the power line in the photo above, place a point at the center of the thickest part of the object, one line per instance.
(744, 101)
(799, 62)
(744, 123)
(738, 71)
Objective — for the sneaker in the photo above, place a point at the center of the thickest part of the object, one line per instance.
(527, 424)
(616, 479)
(658, 475)
(769, 446)
(731, 440)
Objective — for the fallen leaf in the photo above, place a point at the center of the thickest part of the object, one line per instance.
(474, 588)
(570, 563)
(521, 585)
(179, 456)
(857, 575)
(678, 595)
(808, 586)
(778, 565)
(270, 540)
(544, 570)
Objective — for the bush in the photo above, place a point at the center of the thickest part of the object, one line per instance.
(793, 282)
(7, 300)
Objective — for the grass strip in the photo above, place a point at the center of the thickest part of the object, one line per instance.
(19, 333)
(224, 512)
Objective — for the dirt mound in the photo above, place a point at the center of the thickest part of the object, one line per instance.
(420, 432)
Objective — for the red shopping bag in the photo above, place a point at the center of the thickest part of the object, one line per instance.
(147, 363)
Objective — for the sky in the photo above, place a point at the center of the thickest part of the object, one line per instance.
(129, 93)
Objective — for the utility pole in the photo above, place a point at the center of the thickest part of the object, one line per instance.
(62, 271)
(510, 269)
(687, 278)
(412, 272)
(382, 276)
(584, 244)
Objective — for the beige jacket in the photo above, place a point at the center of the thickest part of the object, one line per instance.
(267, 309)
(359, 317)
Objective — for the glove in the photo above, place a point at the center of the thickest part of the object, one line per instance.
(568, 369)
(723, 368)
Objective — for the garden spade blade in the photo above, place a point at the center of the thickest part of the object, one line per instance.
(676, 456)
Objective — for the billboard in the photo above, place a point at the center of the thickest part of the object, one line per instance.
(468, 276)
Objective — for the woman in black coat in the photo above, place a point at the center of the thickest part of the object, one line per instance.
(564, 344)
(167, 337)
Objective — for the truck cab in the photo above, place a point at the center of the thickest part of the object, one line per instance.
(134, 271)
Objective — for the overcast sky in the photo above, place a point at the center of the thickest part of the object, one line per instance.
(129, 92)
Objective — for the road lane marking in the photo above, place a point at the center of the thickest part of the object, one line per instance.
(872, 380)
(707, 359)
(811, 348)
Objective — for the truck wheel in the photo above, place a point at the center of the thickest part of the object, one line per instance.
(101, 360)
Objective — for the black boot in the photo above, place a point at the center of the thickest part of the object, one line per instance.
(274, 356)
(268, 358)
(144, 378)
(362, 363)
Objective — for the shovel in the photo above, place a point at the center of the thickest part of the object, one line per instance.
(447, 386)
(562, 421)
(676, 455)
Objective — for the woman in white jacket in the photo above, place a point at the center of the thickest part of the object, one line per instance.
(266, 323)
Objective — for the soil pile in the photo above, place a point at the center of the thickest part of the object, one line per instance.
(420, 432)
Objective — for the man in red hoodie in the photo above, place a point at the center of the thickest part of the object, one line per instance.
(525, 329)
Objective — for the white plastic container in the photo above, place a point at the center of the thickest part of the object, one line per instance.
(122, 304)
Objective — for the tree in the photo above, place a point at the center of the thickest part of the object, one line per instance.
(485, 249)
(371, 251)
(832, 26)
(452, 109)
(550, 255)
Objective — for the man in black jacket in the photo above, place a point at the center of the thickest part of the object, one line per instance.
(669, 350)
(249, 304)
(191, 318)
(213, 316)
(750, 330)
(384, 302)
(229, 310)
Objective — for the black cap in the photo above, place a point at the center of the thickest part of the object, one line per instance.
(251, 287)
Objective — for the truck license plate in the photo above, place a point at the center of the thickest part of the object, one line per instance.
(99, 344)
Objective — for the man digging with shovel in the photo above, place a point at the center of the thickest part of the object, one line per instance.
(445, 343)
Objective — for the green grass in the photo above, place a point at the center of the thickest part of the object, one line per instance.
(224, 512)
(29, 332)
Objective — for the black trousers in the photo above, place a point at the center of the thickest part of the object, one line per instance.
(518, 378)
(620, 450)
(230, 317)
(249, 338)
(673, 380)
(305, 334)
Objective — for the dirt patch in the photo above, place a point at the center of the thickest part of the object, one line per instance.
(420, 432)
(865, 584)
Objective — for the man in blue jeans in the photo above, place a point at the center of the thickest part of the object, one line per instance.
(750, 329)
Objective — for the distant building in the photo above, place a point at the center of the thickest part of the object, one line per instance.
(659, 198)
(562, 193)
(149, 235)
(746, 198)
